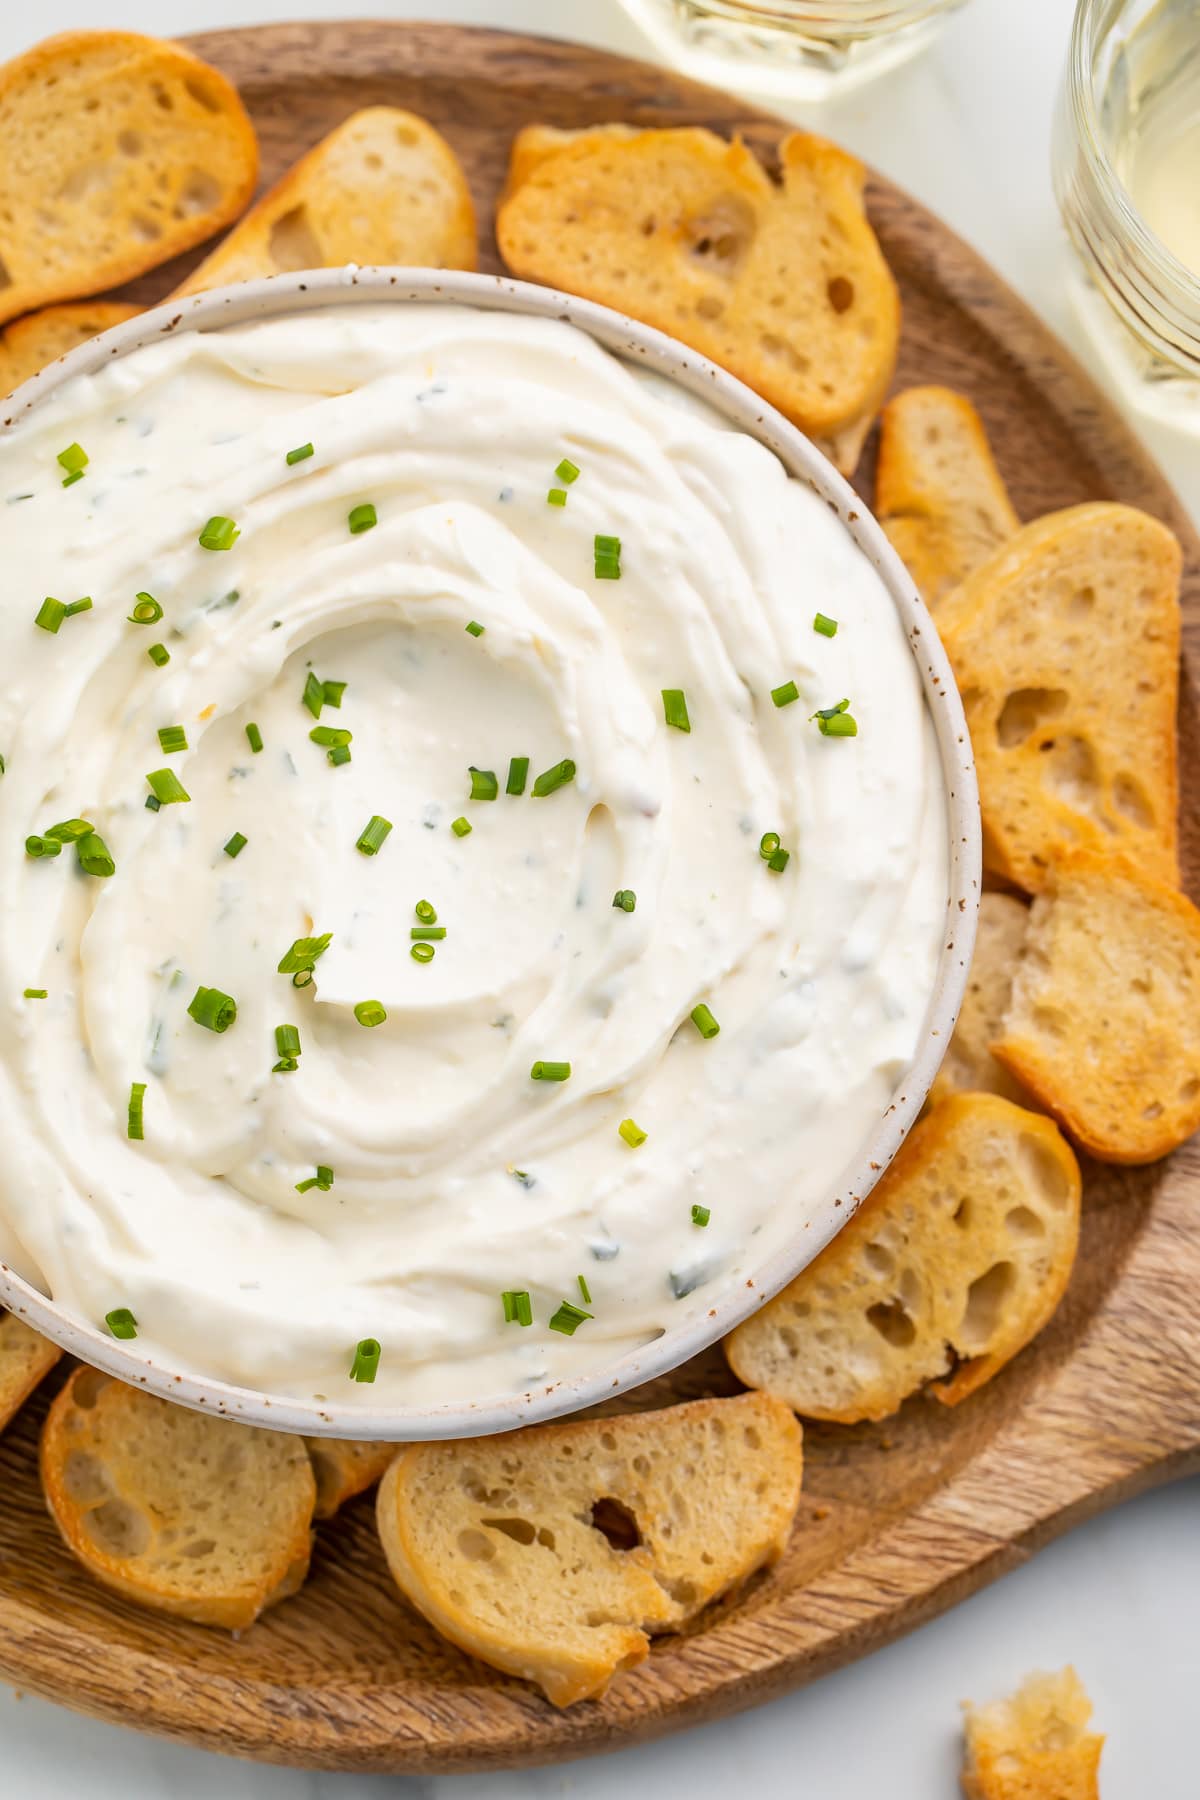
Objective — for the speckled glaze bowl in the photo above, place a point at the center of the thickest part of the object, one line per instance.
(293, 293)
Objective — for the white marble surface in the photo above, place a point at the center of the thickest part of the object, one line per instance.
(967, 131)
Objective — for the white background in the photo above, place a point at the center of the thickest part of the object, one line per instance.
(967, 131)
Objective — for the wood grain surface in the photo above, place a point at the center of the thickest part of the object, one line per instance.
(898, 1520)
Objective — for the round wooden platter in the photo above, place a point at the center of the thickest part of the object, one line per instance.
(898, 1521)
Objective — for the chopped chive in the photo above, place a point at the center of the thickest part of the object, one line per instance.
(371, 837)
(675, 709)
(303, 953)
(159, 654)
(212, 1009)
(300, 454)
(427, 934)
(236, 844)
(566, 471)
(518, 1308)
(323, 1179)
(146, 610)
(36, 846)
(333, 691)
(583, 1290)
(484, 785)
(475, 628)
(2, 765)
(632, 1132)
(172, 739)
(365, 1366)
(36, 993)
(422, 953)
(94, 855)
(607, 557)
(219, 534)
(829, 712)
(302, 978)
(361, 518)
(335, 735)
(338, 755)
(370, 1012)
(550, 780)
(70, 480)
(841, 725)
(70, 831)
(153, 803)
(314, 695)
(783, 696)
(768, 844)
(121, 1322)
(460, 827)
(78, 606)
(137, 1093)
(254, 738)
(166, 787)
(704, 1022)
(825, 625)
(518, 774)
(550, 1071)
(50, 614)
(74, 459)
(287, 1065)
(701, 1215)
(625, 899)
(287, 1040)
(568, 1318)
(556, 497)
(779, 861)
(426, 912)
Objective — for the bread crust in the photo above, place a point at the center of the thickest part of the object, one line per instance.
(31, 343)
(26, 1358)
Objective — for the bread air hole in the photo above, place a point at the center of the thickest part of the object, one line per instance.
(719, 237)
(615, 1523)
(292, 243)
(1069, 768)
(892, 1323)
(1024, 710)
(879, 1259)
(199, 194)
(475, 1547)
(783, 351)
(1189, 1092)
(519, 1530)
(200, 94)
(1129, 798)
(85, 1479)
(986, 1297)
(87, 1388)
(1023, 1222)
(1043, 1171)
(118, 1529)
(841, 294)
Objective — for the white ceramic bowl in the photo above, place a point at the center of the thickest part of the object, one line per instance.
(301, 293)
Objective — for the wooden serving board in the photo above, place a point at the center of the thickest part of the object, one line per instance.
(899, 1520)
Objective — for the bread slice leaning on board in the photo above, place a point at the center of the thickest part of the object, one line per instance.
(784, 284)
(952, 1264)
(969, 1065)
(1035, 1745)
(26, 1358)
(180, 1511)
(553, 1552)
(40, 338)
(116, 152)
(344, 1468)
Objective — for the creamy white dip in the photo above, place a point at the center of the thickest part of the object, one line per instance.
(456, 1177)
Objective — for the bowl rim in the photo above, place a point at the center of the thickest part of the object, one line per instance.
(303, 291)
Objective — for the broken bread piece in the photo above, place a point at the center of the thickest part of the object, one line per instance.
(951, 1265)
(1035, 1745)
(40, 338)
(783, 284)
(938, 493)
(384, 187)
(552, 1552)
(1065, 645)
(1104, 1022)
(969, 1066)
(116, 152)
(345, 1467)
(26, 1358)
(180, 1511)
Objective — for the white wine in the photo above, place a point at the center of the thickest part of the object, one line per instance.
(1150, 122)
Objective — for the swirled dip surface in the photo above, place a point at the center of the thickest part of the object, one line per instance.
(455, 1176)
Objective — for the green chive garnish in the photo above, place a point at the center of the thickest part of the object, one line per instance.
(825, 625)
(121, 1322)
(625, 899)
(569, 1318)
(254, 738)
(159, 654)
(146, 610)
(137, 1093)
(552, 779)
(632, 1132)
(675, 709)
(333, 691)
(583, 1290)
(78, 606)
(607, 557)
(94, 856)
(518, 1308)
(370, 1012)
(778, 862)
(212, 1009)
(172, 739)
(829, 712)
(314, 695)
(768, 844)
(842, 725)
(704, 1022)
(36, 993)
(303, 953)
(70, 831)
(365, 1366)
(484, 785)
(323, 1179)
(74, 459)
(287, 1040)
(701, 1215)
(475, 628)
(556, 497)
(70, 480)
(460, 827)
(432, 934)
(153, 803)
(567, 472)
(331, 734)
(361, 518)
(36, 846)
(783, 696)
(550, 1071)
(426, 912)
(518, 774)
(372, 835)
(338, 755)
(166, 787)
(300, 454)
(422, 953)
(236, 844)
(50, 614)
(219, 534)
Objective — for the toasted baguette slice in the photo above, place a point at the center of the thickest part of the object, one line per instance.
(1066, 648)
(25, 1359)
(550, 1553)
(1034, 1745)
(970, 1066)
(116, 152)
(384, 187)
(1104, 1022)
(786, 285)
(183, 1512)
(938, 493)
(32, 343)
(953, 1263)
(344, 1467)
